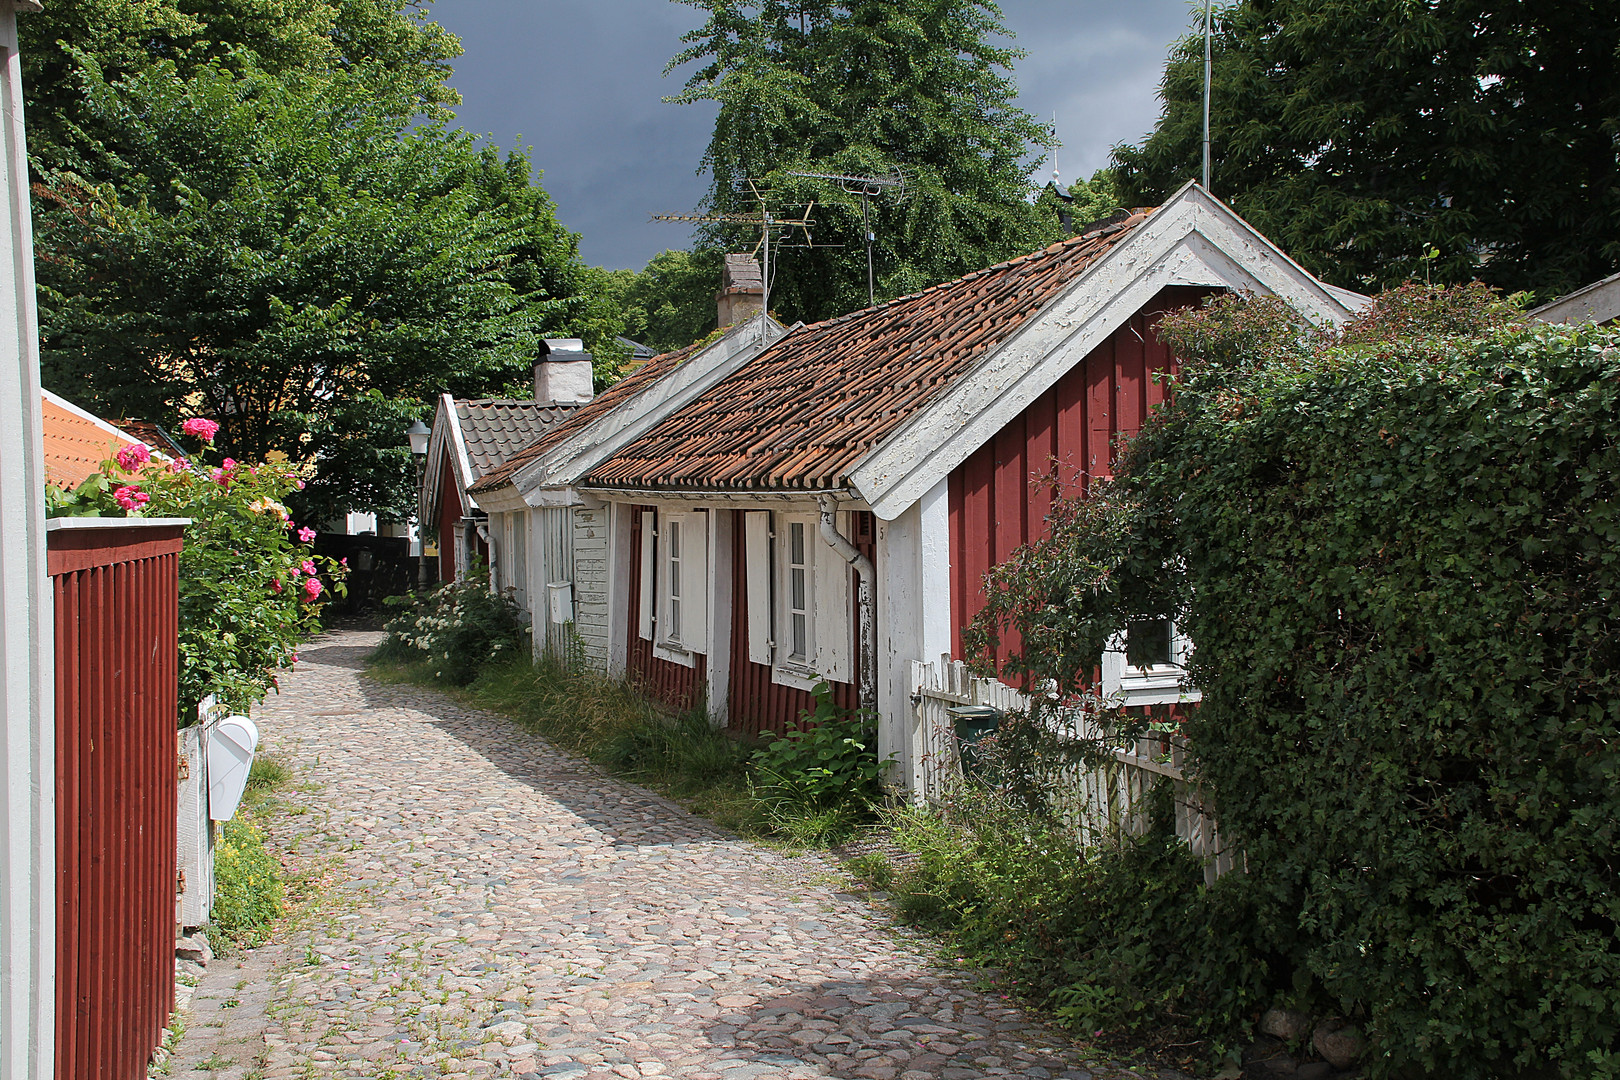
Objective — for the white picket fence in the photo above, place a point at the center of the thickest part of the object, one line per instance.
(1104, 802)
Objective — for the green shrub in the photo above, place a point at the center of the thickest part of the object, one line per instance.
(455, 630)
(1399, 558)
(821, 779)
(248, 893)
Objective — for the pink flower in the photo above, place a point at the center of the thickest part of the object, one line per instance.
(344, 561)
(312, 588)
(133, 457)
(202, 429)
(131, 497)
(275, 585)
(179, 465)
(306, 534)
(229, 464)
(308, 567)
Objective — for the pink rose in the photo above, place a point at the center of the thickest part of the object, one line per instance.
(131, 497)
(179, 465)
(344, 562)
(312, 588)
(308, 567)
(200, 428)
(275, 585)
(306, 534)
(133, 457)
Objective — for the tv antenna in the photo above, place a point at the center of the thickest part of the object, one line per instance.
(764, 221)
(868, 188)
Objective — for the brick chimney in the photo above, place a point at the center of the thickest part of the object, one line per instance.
(742, 290)
(563, 373)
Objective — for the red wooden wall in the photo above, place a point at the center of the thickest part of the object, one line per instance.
(117, 632)
(450, 512)
(1071, 432)
(676, 685)
(756, 703)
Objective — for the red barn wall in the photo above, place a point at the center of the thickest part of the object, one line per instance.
(1071, 431)
(450, 512)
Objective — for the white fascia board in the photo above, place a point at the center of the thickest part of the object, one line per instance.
(464, 473)
(577, 455)
(1192, 240)
(1598, 302)
(505, 499)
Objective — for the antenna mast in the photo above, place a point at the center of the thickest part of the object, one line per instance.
(867, 187)
(1208, 68)
(765, 220)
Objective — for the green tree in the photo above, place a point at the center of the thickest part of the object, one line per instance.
(1361, 134)
(868, 87)
(670, 303)
(295, 256)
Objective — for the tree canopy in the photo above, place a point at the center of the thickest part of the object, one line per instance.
(294, 243)
(868, 87)
(1362, 135)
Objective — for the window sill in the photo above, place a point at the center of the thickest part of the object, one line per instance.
(1163, 684)
(674, 654)
(797, 677)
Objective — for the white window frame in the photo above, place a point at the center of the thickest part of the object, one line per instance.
(682, 643)
(1127, 684)
(828, 654)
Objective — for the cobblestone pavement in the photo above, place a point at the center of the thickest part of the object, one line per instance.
(495, 907)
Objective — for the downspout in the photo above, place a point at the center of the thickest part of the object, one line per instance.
(864, 613)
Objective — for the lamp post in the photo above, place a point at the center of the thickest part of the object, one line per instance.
(417, 434)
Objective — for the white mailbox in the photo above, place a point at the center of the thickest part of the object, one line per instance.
(562, 601)
(230, 756)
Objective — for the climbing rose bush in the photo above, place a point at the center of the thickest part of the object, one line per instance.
(251, 590)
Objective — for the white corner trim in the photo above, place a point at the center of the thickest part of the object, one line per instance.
(617, 428)
(1191, 240)
(459, 439)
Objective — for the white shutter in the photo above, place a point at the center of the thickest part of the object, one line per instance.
(695, 582)
(830, 604)
(757, 554)
(649, 523)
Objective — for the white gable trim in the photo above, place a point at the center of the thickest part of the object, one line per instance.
(1193, 239)
(1598, 302)
(617, 428)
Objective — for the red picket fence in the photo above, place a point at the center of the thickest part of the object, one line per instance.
(115, 585)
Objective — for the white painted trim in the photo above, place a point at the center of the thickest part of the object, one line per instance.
(85, 414)
(720, 614)
(28, 747)
(934, 510)
(74, 524)
(1598, 302)
(645, 608)
(1160, 684)
(757, 557)
(464, 474)
(1192, 239)
(618, 427)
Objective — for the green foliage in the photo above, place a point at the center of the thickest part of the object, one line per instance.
(456, 630)
(866, 87)
(290, 239)
(822, 778)
(248, 892)
(1395, 548)
(251, 589)
(1123, 941)
(670, 303)
(1361, 135)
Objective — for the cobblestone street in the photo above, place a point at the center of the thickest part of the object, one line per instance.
(495, 907)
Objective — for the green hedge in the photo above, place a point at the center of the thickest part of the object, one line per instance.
(1399, 561)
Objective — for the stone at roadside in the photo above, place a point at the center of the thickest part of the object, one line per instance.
(1339, 1042)
(1285, 1024)
(193, 947)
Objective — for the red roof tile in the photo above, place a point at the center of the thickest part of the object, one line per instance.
(585, 415)
(805, 411)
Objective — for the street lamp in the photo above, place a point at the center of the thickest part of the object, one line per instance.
(417, 434)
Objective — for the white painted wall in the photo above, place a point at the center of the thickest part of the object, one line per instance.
(590, 577)
(28, 750)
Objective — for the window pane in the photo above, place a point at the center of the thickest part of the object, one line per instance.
(796, 543)
(1147, 642)
(672, 532)
(796, 589)
(674, 618)
(800, 636)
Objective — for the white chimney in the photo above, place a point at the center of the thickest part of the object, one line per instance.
(563, 373)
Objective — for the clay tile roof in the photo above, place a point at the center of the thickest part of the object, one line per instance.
(76, 443)
(496, 428)
(805, 411)
(583, 416)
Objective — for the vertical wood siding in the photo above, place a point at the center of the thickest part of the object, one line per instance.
(1072, 432)
(117, 626)
(757, 704)
(675, 685)
(450, 512)
(553, 562)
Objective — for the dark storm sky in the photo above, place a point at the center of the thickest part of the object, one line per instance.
(581, 81)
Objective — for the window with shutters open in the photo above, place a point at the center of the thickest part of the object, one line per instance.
(811, 638)
(675, 584)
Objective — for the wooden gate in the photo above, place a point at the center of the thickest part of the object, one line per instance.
(1099, 802)
(114, 582)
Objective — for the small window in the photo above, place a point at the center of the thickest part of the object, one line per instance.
(1148, 643)
(1146, 665)
(672, 545)
(798, 594)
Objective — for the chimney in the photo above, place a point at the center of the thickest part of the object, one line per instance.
(742, 290)
(562, 372)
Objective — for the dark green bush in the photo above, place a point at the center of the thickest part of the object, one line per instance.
(1399, 558)
(455, 630)
(822, 778)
